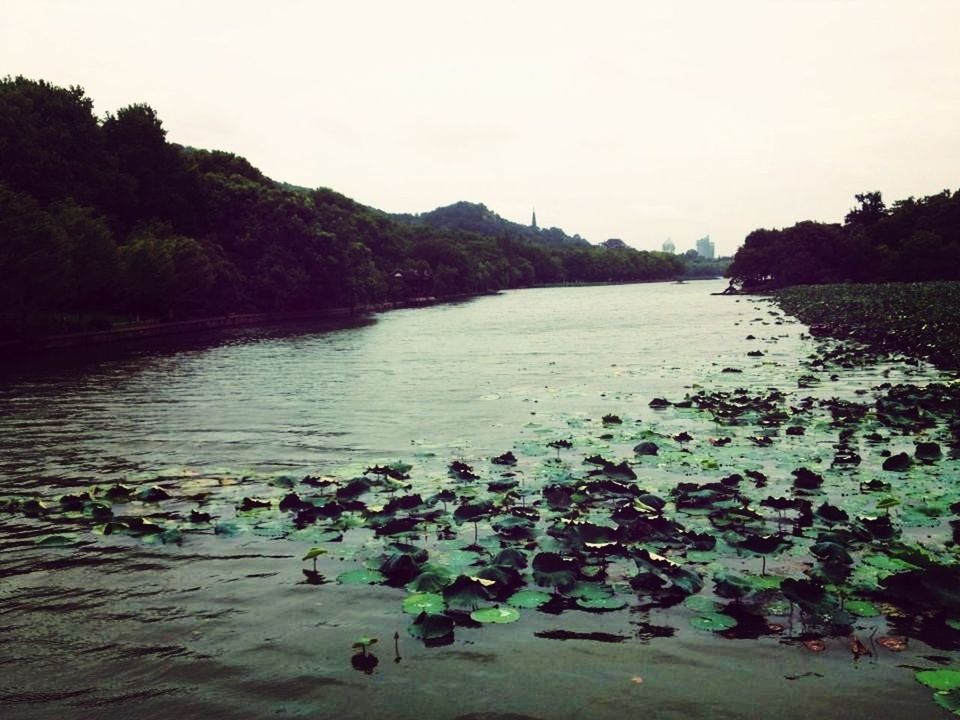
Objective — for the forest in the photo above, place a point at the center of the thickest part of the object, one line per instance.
(912, 240)
(102, 219)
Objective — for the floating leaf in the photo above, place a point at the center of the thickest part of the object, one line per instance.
(700, 604)
(496, 614)
(429, 603)
(361, 577)
(714, 622)
(601, 603)
(862, 608)
(941, 680)
(529, 599)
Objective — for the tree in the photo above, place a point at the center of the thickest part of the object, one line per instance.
(870, 210)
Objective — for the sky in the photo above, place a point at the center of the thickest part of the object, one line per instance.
(640, 120)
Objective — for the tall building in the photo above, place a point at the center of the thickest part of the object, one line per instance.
(669, 247)
(533, 223)
(705, 248)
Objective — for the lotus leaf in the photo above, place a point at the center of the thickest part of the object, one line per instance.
(361, 577)
(552, 570)
(431, 628)
(496, 614)
(471, 512)
(942, 680)
(700, 604)
(861, 608)
(713, 622)
(430, 603)
(600, 604)
(949, 701)
(511, 557)
(530, 599)
(465, 594)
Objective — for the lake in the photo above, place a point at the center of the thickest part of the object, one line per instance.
(103, 616)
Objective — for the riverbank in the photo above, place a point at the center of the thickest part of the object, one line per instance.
(126, 332)
(920, 320)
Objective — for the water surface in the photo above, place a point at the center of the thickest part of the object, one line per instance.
(226, 627)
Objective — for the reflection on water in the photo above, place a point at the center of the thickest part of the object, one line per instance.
(450, 375)
(222, 627)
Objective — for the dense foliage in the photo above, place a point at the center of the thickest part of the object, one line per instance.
(919, 319)
(478, 218)
(104, 218)
(913, 240)
(697, 267)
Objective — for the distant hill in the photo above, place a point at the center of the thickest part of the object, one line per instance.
(478, 218)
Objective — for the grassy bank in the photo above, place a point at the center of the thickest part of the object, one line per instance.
(921, 320)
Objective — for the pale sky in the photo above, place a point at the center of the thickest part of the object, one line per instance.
(638, 120)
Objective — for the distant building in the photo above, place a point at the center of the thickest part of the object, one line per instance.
(613, 243)
(705, 248)
(533, 223)
(669, 247)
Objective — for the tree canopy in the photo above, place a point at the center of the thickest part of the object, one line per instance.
(105, 216)
(912, 240)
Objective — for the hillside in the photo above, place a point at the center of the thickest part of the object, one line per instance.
(478, 218)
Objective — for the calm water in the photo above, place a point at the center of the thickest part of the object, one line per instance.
(225, 627)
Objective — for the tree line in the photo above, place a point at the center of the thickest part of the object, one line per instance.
(104, 219)
(911, 240)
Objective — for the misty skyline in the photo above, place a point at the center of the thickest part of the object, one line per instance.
(640, 121)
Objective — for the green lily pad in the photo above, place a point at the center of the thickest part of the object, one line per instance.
(529, 599)
(601, 603)
(713, 622)
(942, 680)
(429, 603)
(458, 560)
(861, 608)
(700, 604)
(888, 564)
(949, 701)
(364, 576)
(497, 614)
(314, 552)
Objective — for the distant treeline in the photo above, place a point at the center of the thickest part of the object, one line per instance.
(103, 218)
(912, 240)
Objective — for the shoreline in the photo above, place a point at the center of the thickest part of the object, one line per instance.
(14, 349)
(127, 332)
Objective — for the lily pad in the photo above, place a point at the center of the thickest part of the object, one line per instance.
(361, 577)
(713, 622)
(861, 608)
(941, 680)
(700, 604)
(601, 603)
(529, 599)
(497, 614)
(949, 701)
(429, 603)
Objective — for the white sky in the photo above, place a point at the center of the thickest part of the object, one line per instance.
(639, 120)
